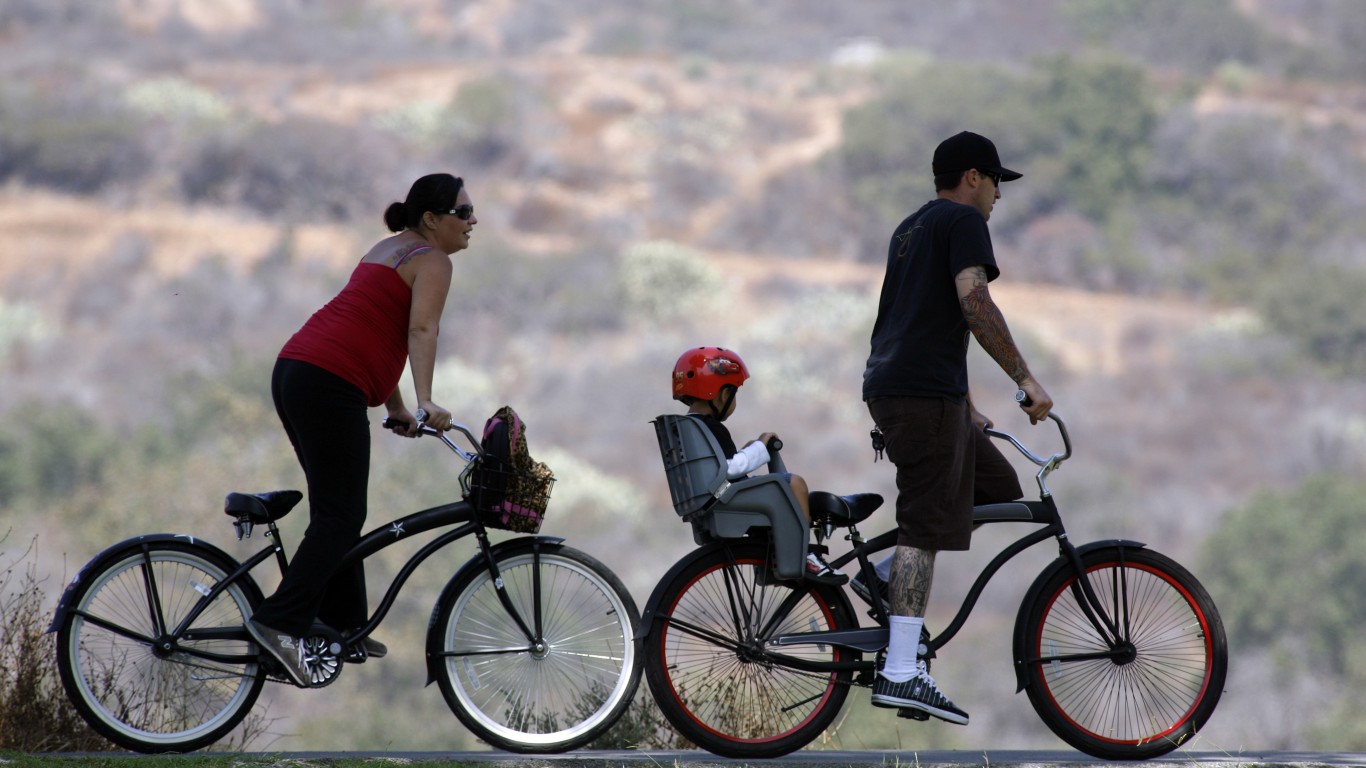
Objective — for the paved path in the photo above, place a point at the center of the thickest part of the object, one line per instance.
(846, 759)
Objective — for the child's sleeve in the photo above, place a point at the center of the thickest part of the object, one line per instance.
(746, 460)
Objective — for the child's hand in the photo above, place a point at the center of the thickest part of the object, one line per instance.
(767, 438)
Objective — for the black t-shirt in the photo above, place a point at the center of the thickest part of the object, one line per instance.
(720, 432)
(919, 344)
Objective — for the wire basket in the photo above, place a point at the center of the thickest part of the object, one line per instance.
(509, 499)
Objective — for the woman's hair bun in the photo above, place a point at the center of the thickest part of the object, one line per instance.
(396, 217)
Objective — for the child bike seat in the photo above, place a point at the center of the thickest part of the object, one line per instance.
(261, 507)
(719, 508)
(844, 511)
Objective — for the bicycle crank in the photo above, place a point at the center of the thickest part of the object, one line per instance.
(322, 660)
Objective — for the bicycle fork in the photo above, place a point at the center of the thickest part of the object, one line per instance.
(535, 636)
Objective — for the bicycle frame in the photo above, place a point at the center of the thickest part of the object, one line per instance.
(1043, 511)
(376, 540)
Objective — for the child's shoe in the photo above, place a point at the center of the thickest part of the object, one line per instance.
(820, 572)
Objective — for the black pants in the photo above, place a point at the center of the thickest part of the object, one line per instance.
(326, 420)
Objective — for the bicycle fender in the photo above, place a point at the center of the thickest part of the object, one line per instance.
(647, 615)
(475, 563)
(119, 550)
(1021, 643)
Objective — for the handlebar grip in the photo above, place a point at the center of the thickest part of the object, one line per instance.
(389, 423)
(775, 444)
(1023, 399)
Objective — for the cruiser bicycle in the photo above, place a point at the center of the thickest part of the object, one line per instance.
(1120, 649)
(531, 642)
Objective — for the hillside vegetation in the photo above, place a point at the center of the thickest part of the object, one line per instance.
(1182, 264)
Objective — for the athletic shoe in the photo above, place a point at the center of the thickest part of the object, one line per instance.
(819, 571)
(918, 693)
(286, 649)
(879, 586)
(367, 648)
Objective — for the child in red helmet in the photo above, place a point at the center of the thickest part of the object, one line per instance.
(706, 379)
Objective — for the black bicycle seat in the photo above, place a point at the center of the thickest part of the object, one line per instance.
(844, 510)
(261, 507)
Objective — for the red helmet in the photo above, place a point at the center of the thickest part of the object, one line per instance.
(702, 372)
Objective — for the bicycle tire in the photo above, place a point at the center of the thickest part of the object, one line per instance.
(1161, 692)
(538, 700)
(725, 694)
(137, 687)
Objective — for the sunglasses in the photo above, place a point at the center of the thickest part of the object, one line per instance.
(995, 177)
(463, 212)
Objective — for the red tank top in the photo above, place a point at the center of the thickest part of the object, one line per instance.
(360, 335)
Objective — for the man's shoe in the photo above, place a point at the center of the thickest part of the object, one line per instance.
(918, 693)
(819, 571)
(287, 650)
(879, 587)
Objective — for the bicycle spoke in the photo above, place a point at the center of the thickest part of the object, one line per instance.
(1142, 691)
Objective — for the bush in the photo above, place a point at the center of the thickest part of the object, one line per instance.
(77, 142)
(35, 715)
(1323, 312)
(295, 169)
(664, 282)
(1285, 570)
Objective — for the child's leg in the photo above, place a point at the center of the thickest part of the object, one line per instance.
(803, 495)
(816, 567)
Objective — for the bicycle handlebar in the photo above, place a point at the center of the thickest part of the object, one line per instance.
(423, 429)
(1055, 459)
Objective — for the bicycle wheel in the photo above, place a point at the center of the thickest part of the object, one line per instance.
(1169, 673)
(549, 696)
(131, 677)
(709, 668)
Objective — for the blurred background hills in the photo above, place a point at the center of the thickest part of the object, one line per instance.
(183, 182)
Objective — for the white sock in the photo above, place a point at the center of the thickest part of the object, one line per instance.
(903, 645)
(884, 569)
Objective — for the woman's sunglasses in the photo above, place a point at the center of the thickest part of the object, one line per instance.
(463, 212)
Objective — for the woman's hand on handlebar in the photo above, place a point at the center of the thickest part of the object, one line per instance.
(435, 416)
(401, 422)
(1035, 401)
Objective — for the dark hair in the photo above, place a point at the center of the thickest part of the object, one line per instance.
(434, 192)
(949, 180)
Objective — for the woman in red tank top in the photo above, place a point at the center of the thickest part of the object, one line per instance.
(348, 357)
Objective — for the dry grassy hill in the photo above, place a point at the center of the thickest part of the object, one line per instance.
(132, 307)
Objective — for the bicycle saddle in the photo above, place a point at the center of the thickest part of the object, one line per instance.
(261, 507)
(844, 510)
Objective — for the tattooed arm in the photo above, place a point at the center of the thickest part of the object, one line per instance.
(989, 326)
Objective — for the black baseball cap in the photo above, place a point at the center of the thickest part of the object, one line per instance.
(968, 150)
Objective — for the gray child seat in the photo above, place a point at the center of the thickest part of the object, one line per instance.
(719, 508)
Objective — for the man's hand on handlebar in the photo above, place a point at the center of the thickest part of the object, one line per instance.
(1034, 400)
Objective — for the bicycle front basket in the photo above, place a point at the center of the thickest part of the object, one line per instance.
(510, 499)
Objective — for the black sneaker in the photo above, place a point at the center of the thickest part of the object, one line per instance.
(367, 648)
(879, 586)
(819, 571)
(287, 650)
(918, 693)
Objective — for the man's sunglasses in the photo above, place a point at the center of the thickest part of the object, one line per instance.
(995, 177)
(462, 212)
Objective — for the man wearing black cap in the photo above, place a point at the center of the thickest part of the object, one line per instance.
(934, 295)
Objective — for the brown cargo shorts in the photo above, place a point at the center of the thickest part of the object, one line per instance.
(944, 466)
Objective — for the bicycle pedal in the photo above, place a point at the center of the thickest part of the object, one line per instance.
(912, 714)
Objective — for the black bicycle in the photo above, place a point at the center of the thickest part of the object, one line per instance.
(532, 642)
(1120, 649)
